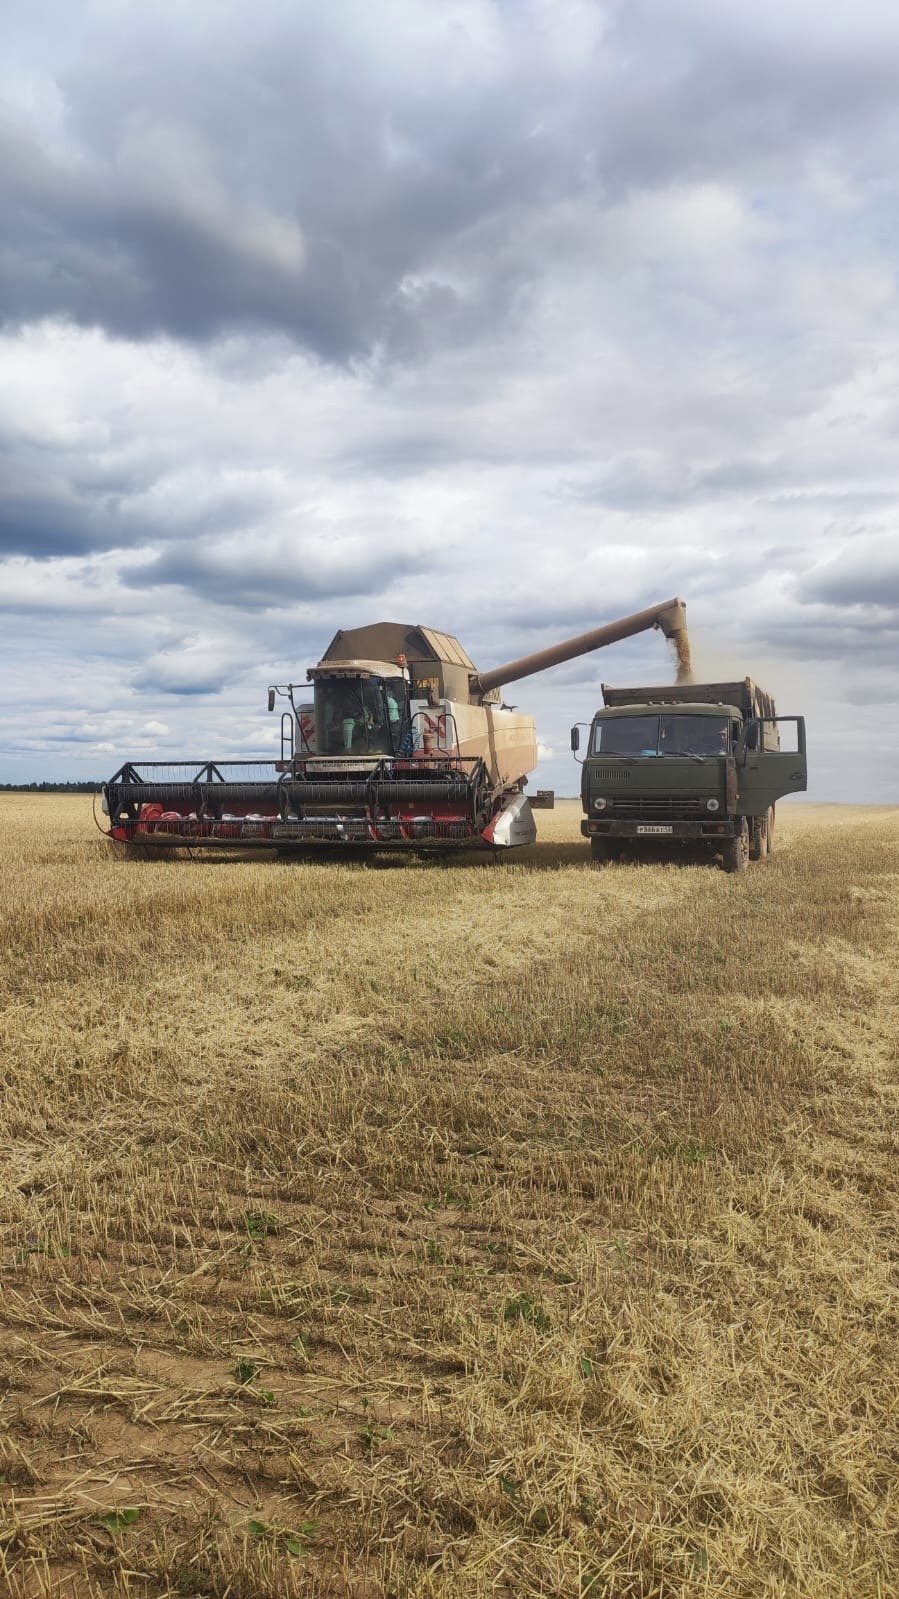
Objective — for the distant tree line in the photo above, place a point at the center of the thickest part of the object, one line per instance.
(50, 788)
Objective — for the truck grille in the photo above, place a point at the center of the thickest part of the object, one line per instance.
(612, 774)
(657, 806)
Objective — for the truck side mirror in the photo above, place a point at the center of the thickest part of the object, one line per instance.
(575, 740)
(271, 699)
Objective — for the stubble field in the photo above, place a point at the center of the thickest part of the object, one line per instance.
(448, 1230)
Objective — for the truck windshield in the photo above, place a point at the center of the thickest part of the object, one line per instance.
(674, 734)
(627, 735)
(360, 715)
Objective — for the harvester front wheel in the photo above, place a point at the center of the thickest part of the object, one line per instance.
(735, 853)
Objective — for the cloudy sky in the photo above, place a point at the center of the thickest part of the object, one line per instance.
(504, 316)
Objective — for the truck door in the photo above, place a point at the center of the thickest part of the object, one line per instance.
(770, 762)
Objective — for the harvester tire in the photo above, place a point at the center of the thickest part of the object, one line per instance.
(735, 853)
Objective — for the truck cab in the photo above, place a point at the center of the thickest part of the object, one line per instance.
(699, 765)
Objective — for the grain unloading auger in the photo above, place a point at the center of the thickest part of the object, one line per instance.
(404, 743)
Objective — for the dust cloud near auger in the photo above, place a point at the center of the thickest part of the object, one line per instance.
(680, 642)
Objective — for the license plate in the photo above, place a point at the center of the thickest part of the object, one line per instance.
(655, 827)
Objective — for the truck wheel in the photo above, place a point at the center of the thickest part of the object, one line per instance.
(736, 851)
(758, 837)
(769, 832)
(601, 851)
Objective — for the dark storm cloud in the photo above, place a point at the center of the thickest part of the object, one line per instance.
(299, 170)
(259, 205)
(83, 250)
(50, 506)
(251, 580)
(857, 640)
(723, 88)
(410, 454)
(73, 498)
(661, 482)
(180, 679)
(866, 575)
(43, 526)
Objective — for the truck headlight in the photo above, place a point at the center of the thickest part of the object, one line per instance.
(600, 804)
(713, 805)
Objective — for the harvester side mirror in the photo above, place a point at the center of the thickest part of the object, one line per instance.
(271, 699)
(575, 740)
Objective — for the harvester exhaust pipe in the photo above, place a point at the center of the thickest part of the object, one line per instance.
(670, 616)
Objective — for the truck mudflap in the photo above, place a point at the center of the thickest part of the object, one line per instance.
(661, 827)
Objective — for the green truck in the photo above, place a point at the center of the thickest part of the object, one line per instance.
(699, 765)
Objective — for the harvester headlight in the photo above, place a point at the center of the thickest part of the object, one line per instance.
(713, 805)
(600, 804)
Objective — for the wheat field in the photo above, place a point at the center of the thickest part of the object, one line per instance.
(448, 1229)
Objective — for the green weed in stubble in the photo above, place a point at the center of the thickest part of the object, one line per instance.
(34, 1246)
(350, 1294)
(373, 1433)
(302, 1346)
(294, 1541)
(246, 1370)
(262, 1224)
(524, 1307)
(120, 1520)
(594, 1586)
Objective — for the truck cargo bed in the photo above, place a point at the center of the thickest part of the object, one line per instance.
(744, 694)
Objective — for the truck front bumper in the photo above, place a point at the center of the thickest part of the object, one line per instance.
(658, 827)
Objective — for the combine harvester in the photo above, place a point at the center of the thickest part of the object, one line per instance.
(404, 744)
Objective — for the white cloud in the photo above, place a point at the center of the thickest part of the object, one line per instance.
(506, 320)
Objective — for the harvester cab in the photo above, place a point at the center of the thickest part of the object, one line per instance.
(396, 739)
(361, 709)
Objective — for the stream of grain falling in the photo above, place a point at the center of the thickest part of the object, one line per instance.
(681, 643)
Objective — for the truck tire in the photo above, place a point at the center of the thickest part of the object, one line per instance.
(758, 837)
(769, 832)
(735, 853)
(601, 851)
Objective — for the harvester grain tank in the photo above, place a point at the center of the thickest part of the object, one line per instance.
(403, 743)
(699, 764)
